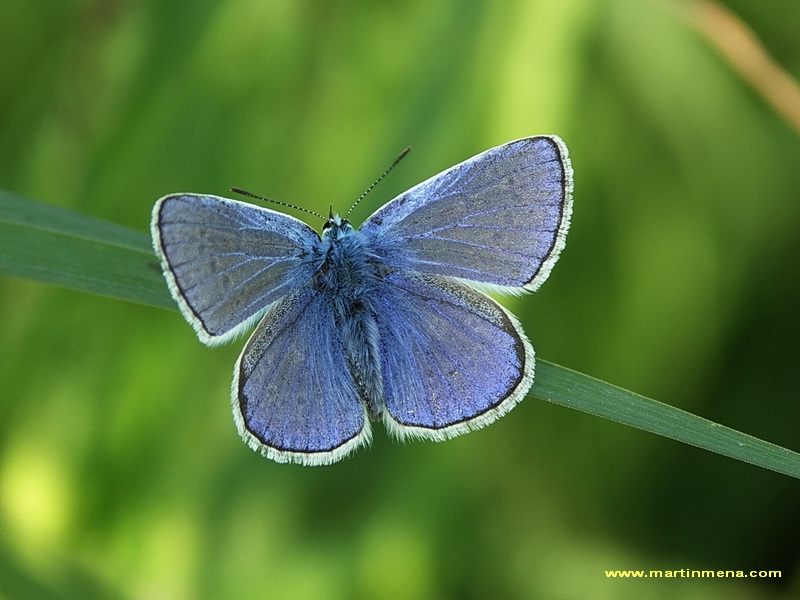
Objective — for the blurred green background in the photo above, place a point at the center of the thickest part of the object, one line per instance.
(121, 473)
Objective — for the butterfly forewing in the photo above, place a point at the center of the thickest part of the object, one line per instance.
(499, 218)
(226, 261)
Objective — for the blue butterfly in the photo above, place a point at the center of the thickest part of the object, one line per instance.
(386, 322)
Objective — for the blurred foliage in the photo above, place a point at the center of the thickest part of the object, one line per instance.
(121, 475)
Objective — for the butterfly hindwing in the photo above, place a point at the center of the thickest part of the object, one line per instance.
(293, 397)
(226, 261)
(499, 218)
(452, 359)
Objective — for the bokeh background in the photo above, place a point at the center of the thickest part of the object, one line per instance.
(121, 474)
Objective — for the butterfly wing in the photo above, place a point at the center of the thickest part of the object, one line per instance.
(226, 261)
(499, 218)
(293, 397)
(452, 359)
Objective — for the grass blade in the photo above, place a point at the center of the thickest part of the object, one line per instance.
(53, 245)
(563, 386)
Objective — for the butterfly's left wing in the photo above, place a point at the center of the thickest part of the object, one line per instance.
(452, 359)
(499, 218)
(294, 399)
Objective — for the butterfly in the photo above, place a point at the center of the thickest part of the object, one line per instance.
(386, 322)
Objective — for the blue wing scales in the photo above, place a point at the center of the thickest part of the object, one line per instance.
(499, 218)
(226, 261)
(293, 397)
(453, 360)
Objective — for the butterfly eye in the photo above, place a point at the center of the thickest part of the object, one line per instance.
(335, 221)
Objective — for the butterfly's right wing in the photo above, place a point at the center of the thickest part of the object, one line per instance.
(498, 218)
(226, 261)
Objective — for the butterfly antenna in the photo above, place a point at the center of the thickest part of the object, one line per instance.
(251, 195)
(377, 181)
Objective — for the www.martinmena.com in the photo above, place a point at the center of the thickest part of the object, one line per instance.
(694, 573)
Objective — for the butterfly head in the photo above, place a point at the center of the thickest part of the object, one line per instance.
(335, 227)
